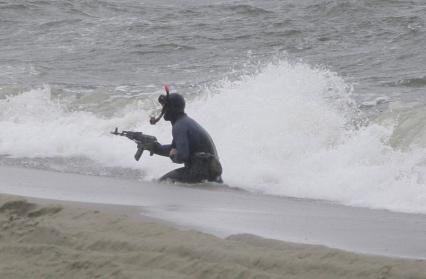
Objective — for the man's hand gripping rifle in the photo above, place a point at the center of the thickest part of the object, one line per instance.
(144, 142)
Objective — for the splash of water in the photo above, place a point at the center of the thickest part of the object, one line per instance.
(285, 130)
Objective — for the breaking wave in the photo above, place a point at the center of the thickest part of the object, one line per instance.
(290, 130)
(411, 82)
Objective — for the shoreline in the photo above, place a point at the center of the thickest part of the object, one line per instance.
(51, 239)
(223, 212)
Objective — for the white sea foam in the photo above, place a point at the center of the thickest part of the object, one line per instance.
(285, 130)
(33, 125)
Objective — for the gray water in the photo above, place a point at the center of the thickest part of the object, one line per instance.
(100, 45)
(312, 99)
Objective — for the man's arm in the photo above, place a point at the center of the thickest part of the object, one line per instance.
(162, 150)
(181, 145)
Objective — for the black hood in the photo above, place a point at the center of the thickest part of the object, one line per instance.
(173, 106)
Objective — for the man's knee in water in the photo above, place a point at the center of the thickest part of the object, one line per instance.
(203, 167)
(177, 175)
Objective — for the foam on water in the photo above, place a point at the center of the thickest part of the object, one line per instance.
(287, 130)
(34, 125)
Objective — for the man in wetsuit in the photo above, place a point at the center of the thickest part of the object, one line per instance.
(191, 145)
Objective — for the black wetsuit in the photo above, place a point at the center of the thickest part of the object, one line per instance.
(195, 149)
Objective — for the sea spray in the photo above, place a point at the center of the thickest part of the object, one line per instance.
(34, 125)
(288, 131)
(285, 130)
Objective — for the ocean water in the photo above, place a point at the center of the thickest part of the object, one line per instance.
(308, 99)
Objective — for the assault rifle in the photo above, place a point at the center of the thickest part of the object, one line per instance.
(143, 141)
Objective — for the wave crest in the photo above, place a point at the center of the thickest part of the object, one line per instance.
(285, 130)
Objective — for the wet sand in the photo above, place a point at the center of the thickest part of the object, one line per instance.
(223, 211)
(45, 239)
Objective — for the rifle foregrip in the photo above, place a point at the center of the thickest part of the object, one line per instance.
(138, 154)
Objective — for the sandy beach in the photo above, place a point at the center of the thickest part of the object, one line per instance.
(45, 239)
(315, 109)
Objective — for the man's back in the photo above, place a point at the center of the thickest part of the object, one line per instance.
(190, 138)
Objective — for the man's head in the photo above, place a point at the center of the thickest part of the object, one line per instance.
(173, 106)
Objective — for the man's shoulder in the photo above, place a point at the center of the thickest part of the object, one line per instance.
(185, 121)
(181, 124)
